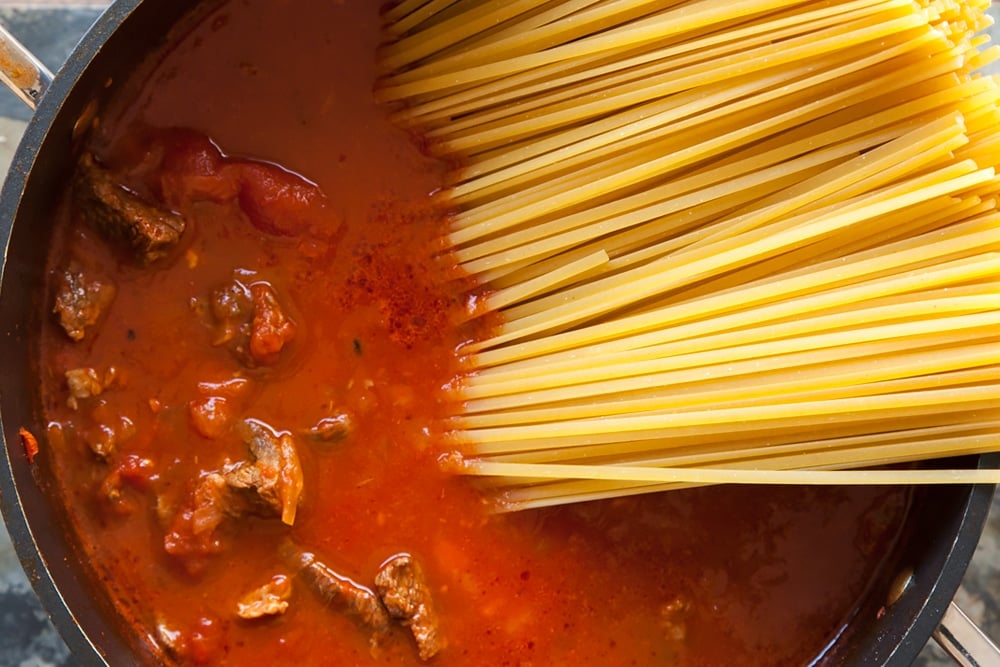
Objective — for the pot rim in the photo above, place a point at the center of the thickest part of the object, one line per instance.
(26, 545)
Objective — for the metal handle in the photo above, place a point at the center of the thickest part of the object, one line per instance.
(21, 71)
(964, 641)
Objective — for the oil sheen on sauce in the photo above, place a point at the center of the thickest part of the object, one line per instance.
(701, 577)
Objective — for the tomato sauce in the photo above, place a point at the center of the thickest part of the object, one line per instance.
(258, 127)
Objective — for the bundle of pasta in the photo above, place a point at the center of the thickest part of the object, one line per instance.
(729, 241)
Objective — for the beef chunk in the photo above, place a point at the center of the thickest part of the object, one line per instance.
(343, 594)
(674, 617)
(131, 471)
(202, 642)
(232, 309)
(271, 599)
(403, 589)
(192, 533)
(86, 383)
(83, 383)
(275, 475)
(170, 638)
(81, 300)
(211, 416)
(149, 230)
(251, 321)
(108, 431)
(330, 429)
(268, 485)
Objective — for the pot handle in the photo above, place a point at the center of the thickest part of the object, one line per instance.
(964, 641)
(21, 71)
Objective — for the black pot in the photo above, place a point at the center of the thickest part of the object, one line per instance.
(890, 628)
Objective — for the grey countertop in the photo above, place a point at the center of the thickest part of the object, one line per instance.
(51, 28)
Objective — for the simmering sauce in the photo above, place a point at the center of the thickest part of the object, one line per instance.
(310, 216)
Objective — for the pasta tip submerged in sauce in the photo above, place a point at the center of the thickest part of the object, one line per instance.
(246, 388)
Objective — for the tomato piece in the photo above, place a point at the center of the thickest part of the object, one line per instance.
(271, 329)
(279, 202)
(30, 443)
(210, 416)
(193, 169)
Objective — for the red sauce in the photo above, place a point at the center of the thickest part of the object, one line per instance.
(701, 577)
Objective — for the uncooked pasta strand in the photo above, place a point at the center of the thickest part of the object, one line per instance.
(916, 221)
(497, 94)
(888, 405)
(534, 496)
(864, 376)
(531, 204)
(466, 112)
(547, 155)
(885, 162)
(754, 231)
(658, 368)
(409, 13)
(541, 28)
(619, 380)
(551, 280)
(754, 445)
(733, 476)
(751, 246)
(660, 26)
(784, 297)
(717, 437)
(724, 331)
(450, 31)
(729, 242)
(758, 65)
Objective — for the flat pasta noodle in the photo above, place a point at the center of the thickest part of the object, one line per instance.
(727, 243)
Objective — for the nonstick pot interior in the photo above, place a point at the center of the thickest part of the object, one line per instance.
(944, 527)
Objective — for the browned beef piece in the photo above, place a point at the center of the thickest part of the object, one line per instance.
(342, 594)
(251, 322)
(192, 531)
(271, 599)
(150, 230)
(403, 589)
(330, 429)
(232, 310)
(108, 431)
(83, 383)
(268, 485)
(274, 475)
(87, 382)
(81, 301)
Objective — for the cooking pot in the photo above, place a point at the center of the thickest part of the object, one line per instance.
(893, 622)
